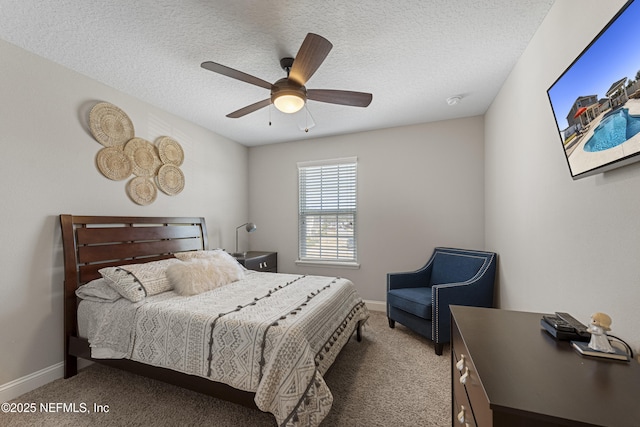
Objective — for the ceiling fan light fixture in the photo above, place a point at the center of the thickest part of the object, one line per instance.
(288, 102)
(288, 96)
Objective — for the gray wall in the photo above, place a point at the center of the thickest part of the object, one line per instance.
(564, 245)
(418, 187)
(48, 168)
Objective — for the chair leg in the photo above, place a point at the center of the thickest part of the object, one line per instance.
(392, 323)
(438, 347)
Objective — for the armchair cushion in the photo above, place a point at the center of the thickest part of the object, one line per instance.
(416, 301)
(454, 268)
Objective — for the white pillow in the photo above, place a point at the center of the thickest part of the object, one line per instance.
(211, 253)
(215, 255)
(98, 290)
(136, 281)
(203, 274)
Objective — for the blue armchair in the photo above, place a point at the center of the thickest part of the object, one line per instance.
(420, 299)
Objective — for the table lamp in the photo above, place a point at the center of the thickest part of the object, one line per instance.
(249, 226)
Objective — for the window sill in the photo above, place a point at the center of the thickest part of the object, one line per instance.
(350, 265)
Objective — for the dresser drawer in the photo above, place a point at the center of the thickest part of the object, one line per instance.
(260, 261)
(462, 410)
(465, 375)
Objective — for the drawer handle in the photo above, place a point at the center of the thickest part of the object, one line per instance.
(460, 364)
(461, 416)
(464, 377)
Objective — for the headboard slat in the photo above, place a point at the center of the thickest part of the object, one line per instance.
(90, 254)
(88, 236)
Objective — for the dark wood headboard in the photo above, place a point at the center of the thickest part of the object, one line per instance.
(94, 242)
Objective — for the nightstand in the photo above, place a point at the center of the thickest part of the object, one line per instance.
(259, 261)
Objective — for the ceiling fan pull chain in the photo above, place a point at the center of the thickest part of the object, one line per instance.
(305, 122)
(306, 119)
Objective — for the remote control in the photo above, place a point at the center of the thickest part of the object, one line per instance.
(558, 323)
(574, 323)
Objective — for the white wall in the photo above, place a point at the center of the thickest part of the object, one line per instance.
(418, 187)
(563, 245)
(48, 168)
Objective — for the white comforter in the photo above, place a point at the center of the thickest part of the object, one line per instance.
(272, 334)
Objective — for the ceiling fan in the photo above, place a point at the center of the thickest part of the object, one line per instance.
(289, 94)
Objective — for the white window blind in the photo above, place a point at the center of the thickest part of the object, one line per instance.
(327, 210)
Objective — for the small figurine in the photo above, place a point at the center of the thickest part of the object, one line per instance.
(599, 325)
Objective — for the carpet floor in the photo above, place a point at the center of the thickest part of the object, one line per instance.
(391, 378)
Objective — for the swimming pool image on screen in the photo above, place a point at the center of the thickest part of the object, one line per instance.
(615, 128)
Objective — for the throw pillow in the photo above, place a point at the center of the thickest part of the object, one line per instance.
(136, 281)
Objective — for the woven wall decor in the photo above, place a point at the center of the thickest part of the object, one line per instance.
(170, 179)
(109, 125)
(142, 190)
(154, 166)
(144, 157)
(170, 151)
(113, 163)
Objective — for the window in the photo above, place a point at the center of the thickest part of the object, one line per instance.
(327, 211)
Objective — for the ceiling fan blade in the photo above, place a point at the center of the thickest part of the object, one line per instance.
(312, 53)
(342, 97)
(249, 109)
(235, 74)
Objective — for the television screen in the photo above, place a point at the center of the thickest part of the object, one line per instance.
(596, 101)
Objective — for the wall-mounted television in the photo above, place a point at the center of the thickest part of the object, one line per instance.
(596, 101)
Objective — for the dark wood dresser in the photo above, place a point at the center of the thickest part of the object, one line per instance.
(507, 371)
(259, 261)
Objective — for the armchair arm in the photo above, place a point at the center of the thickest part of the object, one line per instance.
(411, 279)
(477, 292)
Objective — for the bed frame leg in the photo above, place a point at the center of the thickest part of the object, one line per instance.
(70, 366)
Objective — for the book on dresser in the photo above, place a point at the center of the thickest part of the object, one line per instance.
(584, 349)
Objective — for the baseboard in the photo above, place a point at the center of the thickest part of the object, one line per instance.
(13, 389)
(16, 388)
(376, 305)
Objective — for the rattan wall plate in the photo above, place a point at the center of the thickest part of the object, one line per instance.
(113, 163)
(142, 190)
(144, 157)
(170, 179)
(170, 151)
(109, 125)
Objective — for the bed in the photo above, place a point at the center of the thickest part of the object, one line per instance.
(263, 341)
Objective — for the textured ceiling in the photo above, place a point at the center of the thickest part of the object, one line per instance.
(410, 54)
